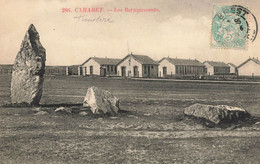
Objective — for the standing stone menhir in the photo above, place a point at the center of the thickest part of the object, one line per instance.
(28, 70)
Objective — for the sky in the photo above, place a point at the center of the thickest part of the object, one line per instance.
(181, 28)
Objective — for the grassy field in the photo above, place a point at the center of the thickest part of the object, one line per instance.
(150, 129)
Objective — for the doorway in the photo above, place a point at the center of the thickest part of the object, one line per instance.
(149, 71)
(164, 71)
(91, 70)
(136, 71)
(103, 72)
(123, 71)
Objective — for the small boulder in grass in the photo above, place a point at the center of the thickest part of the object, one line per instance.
(83, 113)
(63, 109)
(101, 101)
(217, 114)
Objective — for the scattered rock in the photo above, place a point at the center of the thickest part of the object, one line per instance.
(101, 101)
(257, 123)
(40, 113)
(147, 114)
(217, 114)
(113, 118)
(59, 109)
(83, 113)
(28, 70)
(63, 109)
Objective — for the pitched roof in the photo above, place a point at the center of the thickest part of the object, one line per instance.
(104, 61)
(187, 62)
(233, 65)
(217, 64)
(253, 59)
(143, 59)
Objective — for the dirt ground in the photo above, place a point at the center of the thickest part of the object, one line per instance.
(150, 129)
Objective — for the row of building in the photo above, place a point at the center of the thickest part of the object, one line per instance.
(143, 66)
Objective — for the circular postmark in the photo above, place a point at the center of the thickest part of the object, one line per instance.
(233, 26)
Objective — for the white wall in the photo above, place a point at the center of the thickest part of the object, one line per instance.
(210, 69)
(232, 69)
(170, 68)
(129, 68)
(249, 69)
(96, 67)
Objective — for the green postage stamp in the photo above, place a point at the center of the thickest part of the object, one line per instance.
(232, 27)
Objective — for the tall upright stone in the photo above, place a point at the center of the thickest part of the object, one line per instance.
(28, 70)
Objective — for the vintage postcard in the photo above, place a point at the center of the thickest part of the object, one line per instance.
(129, 81)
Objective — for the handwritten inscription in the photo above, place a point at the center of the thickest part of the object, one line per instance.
(85, 18)
(85, 14)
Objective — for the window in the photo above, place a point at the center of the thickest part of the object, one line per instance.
(152, 67)
(112, 68)
(145, 69)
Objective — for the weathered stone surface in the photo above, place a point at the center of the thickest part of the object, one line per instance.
(216, 114)
(83, 113)
(63, 109)
(28, 70)
(101, 101)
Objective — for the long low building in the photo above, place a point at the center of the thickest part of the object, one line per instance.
(175, 67)
(251, 67)
(137, 66)
(99, 67)
(216, 68)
